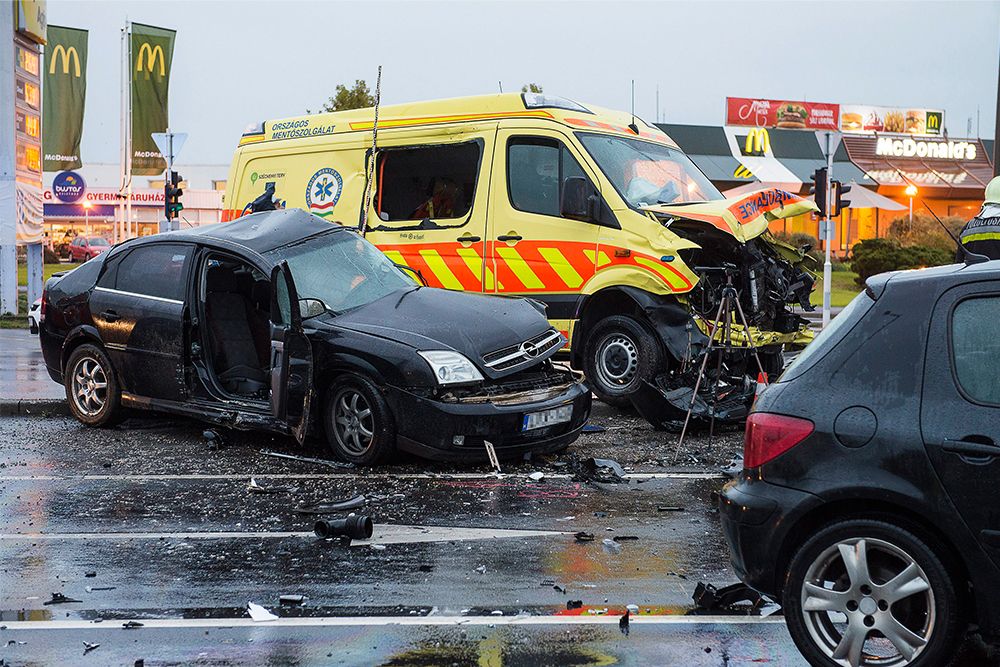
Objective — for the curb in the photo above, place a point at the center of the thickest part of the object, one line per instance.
(33, 407)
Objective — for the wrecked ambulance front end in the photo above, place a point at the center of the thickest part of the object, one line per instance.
(729, 245)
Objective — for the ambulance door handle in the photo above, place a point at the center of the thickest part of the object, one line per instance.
(469, 239)
(509, 237)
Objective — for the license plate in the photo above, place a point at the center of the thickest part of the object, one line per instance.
(545, 418)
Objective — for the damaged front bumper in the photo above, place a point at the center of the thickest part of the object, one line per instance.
(454, 426)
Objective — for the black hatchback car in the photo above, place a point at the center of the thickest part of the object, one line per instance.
(870, 498)
(281, 320)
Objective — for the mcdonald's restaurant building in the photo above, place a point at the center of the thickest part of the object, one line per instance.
(950, 175)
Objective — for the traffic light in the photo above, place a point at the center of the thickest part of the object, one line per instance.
(836, 197)
(172, 192)
(818, 188)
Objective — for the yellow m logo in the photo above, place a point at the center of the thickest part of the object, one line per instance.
(67, 55)
(758, 142)
(153, 53)
(933, 121)
(742, 172)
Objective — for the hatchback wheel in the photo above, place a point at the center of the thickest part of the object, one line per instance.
(91, 387)
(359, 426)
(621, 353)
(866, 592)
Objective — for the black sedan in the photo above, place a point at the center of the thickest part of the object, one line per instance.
(869, 502)
(282, 321)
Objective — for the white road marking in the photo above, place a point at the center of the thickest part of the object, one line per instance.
(346, 476)
(384, 534)
(348, 621)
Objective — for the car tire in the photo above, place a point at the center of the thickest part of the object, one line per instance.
(621, 352)
(359, 425)
(825, 606)
(92, 390)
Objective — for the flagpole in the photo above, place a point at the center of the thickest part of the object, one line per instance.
(120, 213)
(128, 156)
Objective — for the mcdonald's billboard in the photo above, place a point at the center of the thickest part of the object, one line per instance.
(64, 94)
(152, 52)
(753, 112)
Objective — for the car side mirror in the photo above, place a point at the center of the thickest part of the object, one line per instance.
(311, 307)
(579, 200)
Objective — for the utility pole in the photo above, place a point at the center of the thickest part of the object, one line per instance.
(827, 264)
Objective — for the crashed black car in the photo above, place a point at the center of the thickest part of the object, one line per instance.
(282, 321)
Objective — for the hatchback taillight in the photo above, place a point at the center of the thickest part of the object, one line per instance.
(769, 435)
(41, 310)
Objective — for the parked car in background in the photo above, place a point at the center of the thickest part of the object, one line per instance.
(35, 316)
(868, 502)
(87, 247)
(283, 321)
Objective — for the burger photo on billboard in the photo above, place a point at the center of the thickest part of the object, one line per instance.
(850, 122)
(791, 115)
(915, 121)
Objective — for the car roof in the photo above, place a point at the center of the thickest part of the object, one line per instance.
(258, 232)
(938, 277)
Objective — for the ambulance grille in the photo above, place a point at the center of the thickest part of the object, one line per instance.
(529, 350)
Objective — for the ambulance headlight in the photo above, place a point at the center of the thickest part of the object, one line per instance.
(451, 367)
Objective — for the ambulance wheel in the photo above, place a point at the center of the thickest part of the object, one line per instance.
(621, 353)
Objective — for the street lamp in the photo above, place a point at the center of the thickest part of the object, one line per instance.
(911, 192)
(86, 215)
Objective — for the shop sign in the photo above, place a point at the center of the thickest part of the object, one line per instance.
(68, 186)
(862, 119)
(755, 112)
(938, 150)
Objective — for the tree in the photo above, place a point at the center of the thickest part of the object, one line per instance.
(531, 88)
(344, 98)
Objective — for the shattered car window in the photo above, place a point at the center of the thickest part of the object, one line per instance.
(976, 349)
(341, 269)
(646, 173)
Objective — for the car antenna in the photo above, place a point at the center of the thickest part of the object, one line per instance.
(633, 126)
(967, 255)
(370, 166)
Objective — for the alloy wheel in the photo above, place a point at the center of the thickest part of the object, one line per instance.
(866, 602)
(617, 360)
(90, 386)
(354, 425)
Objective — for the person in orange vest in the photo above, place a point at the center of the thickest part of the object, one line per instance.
(442, 202)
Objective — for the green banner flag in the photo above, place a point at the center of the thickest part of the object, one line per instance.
(64, 94)
(152, 52)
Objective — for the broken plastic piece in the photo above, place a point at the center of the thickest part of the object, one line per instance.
(669, 508)
(632, 608)
(290, 600)
(306, 459)
(259, 614)
(91, 589)
(624, 538)
(573, 604)
(611, 546)
(131, 625)
(326, 507)
(59, 598)
(88, 647)
(709, 598)
(584, 537)
(593, 428)
(90, 574)
(536, 476)
(214, 438)
(491, 453)
(357, 527)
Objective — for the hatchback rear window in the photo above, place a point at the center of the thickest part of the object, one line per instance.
(830, 336)
(975, 348)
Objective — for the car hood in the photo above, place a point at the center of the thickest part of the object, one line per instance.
(744, 217)
(437, 319)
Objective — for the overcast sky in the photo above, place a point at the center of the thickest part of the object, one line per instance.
(241, 62)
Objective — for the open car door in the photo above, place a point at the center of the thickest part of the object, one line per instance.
(291, 356)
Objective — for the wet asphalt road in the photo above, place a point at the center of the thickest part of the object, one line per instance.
(463, 568)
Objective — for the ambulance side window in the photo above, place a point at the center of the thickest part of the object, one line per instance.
(543, 177)
(418, 182)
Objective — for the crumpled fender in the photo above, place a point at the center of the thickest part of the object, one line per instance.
(672, 322)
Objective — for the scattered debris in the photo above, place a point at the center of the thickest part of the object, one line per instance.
(491, 454)
(584, 537)
(606, 471)
(214, 438)
(254, 487)
(593, 428)
(132, 625)
(59, 598)
(377, 547)
(669, 508)
(426, 568)
(536, 476)
(292, 600)
(611, 546)
(307, 459)
(573, 604)
(559, 589)
(623, 622)
(91, 589)
(90, 575)
(328, 507)
(496, 612)
(357, 527)
(259, 614)
(633, 608)
(625, 538)
(481, 569)
(88, 647)
(728, 598)
(734, 468)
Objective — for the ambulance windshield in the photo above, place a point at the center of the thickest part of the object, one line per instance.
(647, 173)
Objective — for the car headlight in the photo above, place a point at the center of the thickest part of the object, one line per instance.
(451, 367)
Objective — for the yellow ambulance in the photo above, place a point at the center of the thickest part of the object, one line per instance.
(595, 213)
